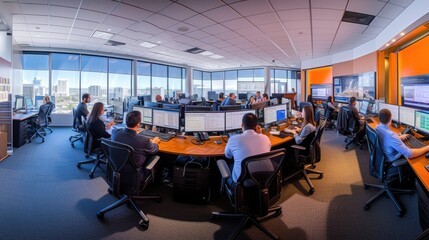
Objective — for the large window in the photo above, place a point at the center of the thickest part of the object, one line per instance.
(159, 80)
(217, 82)
(174, 80)
(120, 78)
(279, 80)
(143, 78)
(207, 83)
(251, 80)
(231, 82)
(94, 77)
(197, 82)
(65, 81)
(35, 75)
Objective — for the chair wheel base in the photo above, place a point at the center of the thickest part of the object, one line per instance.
(78, 165)
(91, 175)
(100, 215)
(366, 207)
(72, 144)
(320, 176)
(311, 191)
(144, 224)
(400, 213)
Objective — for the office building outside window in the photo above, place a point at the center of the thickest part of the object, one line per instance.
(159, 80)
(143, 78)
(35, 75)
(65, 82)
(120, 78)
(94, 78)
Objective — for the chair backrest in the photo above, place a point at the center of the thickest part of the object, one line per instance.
(88, 143)
(317, 117)
(259, 186)
(215, 106)
(125, 176)
(351, 122)
(75, 121)
(43, 115)
(303, 104)
(51, 108)
(376, 155)
(203, 101)
(327, 110)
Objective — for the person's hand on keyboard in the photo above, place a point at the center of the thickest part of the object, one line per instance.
(404, 137)
(156, 140)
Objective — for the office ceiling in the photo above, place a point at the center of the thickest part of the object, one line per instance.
(244, 33)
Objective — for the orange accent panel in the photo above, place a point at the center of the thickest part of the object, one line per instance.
(321, 75)
(381, 75)
(413, 60)
(392, 98)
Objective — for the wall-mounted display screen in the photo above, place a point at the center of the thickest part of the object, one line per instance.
(415, 91)
(361, 86)
(321, 91)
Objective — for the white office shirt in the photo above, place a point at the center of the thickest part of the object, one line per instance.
(244, 145)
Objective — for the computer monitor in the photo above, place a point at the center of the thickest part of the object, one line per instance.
(152, 104)
(375, 107)
(166, 118)
(392, 108)
(212, 95)
(185, 101)
(204, 121)
(234, 119)
(38, 101)
(229, 107)
(197, 108)
(274, 101)
(364, 107)
(19, 102)
(146, 114)
(406, 115)
(182, 96)
(242, 96)
(132, 101)
(118, 106)
(28, 103)
(422, 121)
(274, 114)
(171, 106)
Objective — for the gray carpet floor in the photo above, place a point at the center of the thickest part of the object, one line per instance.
(44, 196)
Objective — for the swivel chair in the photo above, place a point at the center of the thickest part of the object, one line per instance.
(51, 108)
(303, 104)
(40, 123)
(328, 116)
(353, 128)
(257, 189)
(317, 117)
(94, 155)
(384, 172)
(125, 179)
(306, 155)
(76, 128)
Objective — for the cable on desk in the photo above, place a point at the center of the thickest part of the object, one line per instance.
(196, 142)
(223, 137)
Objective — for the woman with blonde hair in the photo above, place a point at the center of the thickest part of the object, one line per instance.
(308, 125)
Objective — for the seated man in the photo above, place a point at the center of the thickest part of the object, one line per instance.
(392, 145)
(250, 142)
(82, 109)
(158, 99)
(229, 101)
(355, 114)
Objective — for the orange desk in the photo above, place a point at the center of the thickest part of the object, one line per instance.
(418, 164)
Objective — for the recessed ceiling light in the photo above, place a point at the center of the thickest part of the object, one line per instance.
(38, 36)
(393, 40)
(159, 42)
(206, 53)
(387, 44)
(37, 27)
(102, 35)
(215, 56)
(183, 29)
(148, 44)
(109, 29)
(402, 33)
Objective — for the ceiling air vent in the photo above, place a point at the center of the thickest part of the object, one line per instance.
(114, 43)
(359, 18)
(195, 50)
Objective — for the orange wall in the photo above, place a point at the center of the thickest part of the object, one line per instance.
(321, 75)
(393, 76)
(413, 60)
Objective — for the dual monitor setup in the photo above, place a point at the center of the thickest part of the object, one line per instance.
(23, 103)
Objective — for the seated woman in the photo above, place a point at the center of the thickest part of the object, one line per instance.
(310, 100)
(251, 101)
(265, 97)
(331, 106)
(308, 125)
(96, 126)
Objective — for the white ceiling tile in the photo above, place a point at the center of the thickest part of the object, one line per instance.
(181, 25)
(130, 12)
(99, 5)
(373, 30)
(293, 15)
(20, 33)
(20, 27)
(91, 15)
(215, 29)
(228, 34)
(59, 36)
(289, 4)
(36, 19)
(59, 29)
(262, 19)
(350, 28)
(237, 24)
(252, 7)
(221, 44)
(13, 7)
(67, 3)
(177, 12)
(123, 39)
(210, 39)
(136, 35)
(327, 14)
(221, 14)
(85, 24)
(248, 32)
(145, 28)
(79, 38)
(62, 11)
(153, 6)
(60, 21)
(324, 31)
(118, 21)
(380, 22)
(391, 11)
(35, 1)
(161, 21)
(300, 24)
(37, 9)
(200, 6)
(81, 32)
(365, 6)
(325, 24)
(402, 3)
(197, 34)
(199, 21)
(18, 18)
(329, 4)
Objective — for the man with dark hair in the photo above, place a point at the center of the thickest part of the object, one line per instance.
(355, 113)
(258, 96)
(393, 145)
(82, 109)
(142, 145)
(229, 101)
(221, 97)
(250, 142)
(158, 99)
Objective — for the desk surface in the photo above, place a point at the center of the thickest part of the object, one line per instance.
(24, 116)
(417, 164)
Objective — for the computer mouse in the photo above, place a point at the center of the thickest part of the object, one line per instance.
(427, 155)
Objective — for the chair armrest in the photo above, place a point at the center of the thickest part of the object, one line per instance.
(298, 147)
(223, 169)
(152, 162)
(399, 162)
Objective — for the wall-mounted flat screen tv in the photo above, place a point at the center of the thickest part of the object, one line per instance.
(321, 91)
(361, 86)
(415, 91)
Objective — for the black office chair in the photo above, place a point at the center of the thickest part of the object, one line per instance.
(385, 172)
(328, 116)
(125, 179)
(306, 155)
(204, 101)
(51, 108)
(95, 156)
(76, 128)
(40, 123)
(257, 189)
(317, 117)
(303, 104)
(353, 128)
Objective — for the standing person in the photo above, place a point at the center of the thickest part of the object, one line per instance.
(82, 109)
(393, 145)
(229, 101)
(258, 96)
(142, 145)
(308, 125)
(96, 126)
(239, 147)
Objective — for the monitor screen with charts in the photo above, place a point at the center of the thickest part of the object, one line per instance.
(234, 119)
(204, 121)
(146, 114)
(364, 107)
(422, 121)
(406, 115)
(166, 118)
(392, 108)
(28, 103)
(274, 114)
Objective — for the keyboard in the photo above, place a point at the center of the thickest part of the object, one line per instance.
(284, 134)
(413, 142)
(163, 136)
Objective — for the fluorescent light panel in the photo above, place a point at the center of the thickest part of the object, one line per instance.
(148, 44)
(102, 35)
